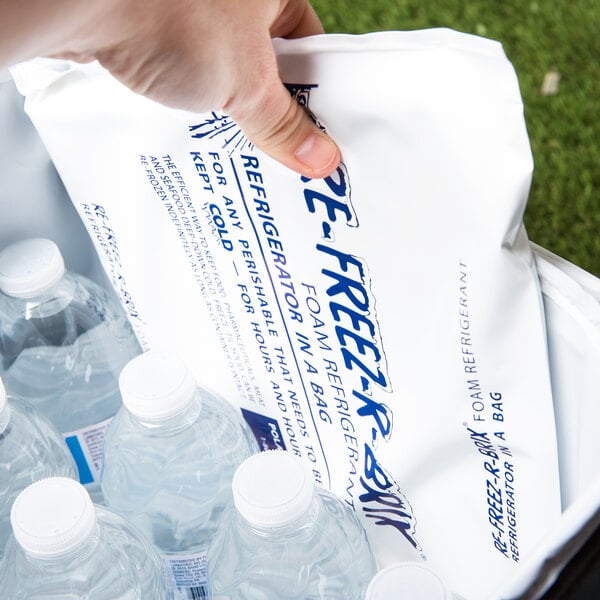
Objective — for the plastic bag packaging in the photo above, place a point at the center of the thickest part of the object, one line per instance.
(386, 323)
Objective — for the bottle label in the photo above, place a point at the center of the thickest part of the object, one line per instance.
(87, 446)
(187, 575)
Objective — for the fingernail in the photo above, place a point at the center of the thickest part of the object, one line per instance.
(317, 152)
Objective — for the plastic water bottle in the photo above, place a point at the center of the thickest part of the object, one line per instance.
(285, 538)
(65, 547)
(170, 455)
(63, 343)
(30, 449)
(408, 581)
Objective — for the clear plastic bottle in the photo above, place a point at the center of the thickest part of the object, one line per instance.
(30, 449)
(63, 343)
(65, 547)
(408, 581)
(286, 538)
(170, 455)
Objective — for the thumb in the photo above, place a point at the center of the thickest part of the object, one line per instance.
(276, 124)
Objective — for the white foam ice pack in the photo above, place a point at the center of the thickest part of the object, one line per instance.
(385, 323)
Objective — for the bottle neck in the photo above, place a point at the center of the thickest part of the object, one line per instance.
(78, 555)
(296, 528)
(172, 424)
(52, 301)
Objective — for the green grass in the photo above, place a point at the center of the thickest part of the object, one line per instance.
(563, 213)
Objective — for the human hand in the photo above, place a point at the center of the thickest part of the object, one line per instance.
(197, 55)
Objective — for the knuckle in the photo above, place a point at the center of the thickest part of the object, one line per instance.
(269, 120)
(138, 73)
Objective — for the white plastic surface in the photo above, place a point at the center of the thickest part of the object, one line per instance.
(571, 300)
(156, 386)
(407, 581)
(272, 489)
(30, 267)
(52, 517)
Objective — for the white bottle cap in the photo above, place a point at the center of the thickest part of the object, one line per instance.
(30, 267)
(410, 580)
(52, 516)
(156, 386)
(272, 488)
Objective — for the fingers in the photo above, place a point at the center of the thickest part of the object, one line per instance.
(281, 128)
(269, 116)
